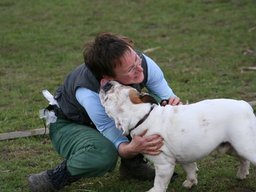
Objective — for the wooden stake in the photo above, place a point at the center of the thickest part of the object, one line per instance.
(27, 133)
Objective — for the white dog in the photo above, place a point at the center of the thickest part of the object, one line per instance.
(190, 132)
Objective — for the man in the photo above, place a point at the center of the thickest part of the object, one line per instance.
(83, 133)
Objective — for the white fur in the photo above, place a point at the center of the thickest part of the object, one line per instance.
(190, 132)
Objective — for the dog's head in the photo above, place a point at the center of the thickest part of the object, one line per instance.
(124, 104)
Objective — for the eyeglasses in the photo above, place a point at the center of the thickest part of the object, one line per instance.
(133, 68)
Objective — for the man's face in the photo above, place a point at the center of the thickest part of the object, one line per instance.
(130, 71)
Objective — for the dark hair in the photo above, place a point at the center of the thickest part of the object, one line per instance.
(104, 53)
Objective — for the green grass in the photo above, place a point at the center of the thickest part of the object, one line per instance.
(203, 46)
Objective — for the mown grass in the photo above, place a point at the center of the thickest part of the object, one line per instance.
(203, 46)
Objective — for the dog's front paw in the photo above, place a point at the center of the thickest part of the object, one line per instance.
(189, 183)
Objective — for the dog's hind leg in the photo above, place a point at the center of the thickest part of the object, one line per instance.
(244, 166)
(190, 169)
(243, 169)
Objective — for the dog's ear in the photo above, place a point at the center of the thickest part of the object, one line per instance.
(138, 98)
(146, 98)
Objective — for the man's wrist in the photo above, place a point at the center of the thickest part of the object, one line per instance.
(125, 150)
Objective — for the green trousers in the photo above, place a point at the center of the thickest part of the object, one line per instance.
(87, 152)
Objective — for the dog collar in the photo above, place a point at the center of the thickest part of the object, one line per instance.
(143, 119)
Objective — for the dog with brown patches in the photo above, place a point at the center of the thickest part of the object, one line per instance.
(190, 132)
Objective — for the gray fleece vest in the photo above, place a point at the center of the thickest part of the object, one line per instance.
(82, 77)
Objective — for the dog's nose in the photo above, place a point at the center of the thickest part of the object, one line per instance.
(105, 85)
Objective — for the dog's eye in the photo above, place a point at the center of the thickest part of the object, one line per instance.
(106, 98)
(107, 86)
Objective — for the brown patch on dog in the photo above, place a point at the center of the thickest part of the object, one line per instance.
(135, 97)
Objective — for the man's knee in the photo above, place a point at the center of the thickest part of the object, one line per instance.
(108, 158)
(108, 163)
(93, 161)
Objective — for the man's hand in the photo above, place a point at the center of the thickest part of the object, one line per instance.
(171, 101)
(149, 145)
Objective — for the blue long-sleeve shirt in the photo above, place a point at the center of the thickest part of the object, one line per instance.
(90, 100)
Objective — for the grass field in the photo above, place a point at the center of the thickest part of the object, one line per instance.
(203, 45)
